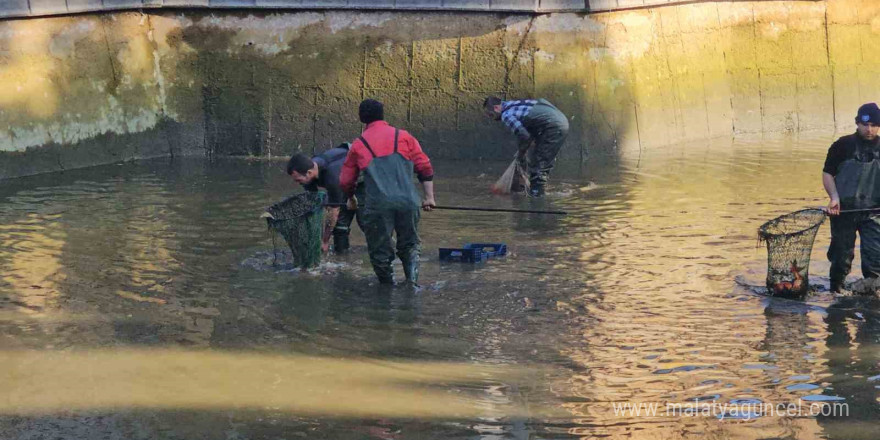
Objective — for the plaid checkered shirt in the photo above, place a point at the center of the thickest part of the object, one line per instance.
(512, 112)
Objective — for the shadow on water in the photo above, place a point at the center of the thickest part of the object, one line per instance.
(852, 341)
(822, 364)
(388, 317)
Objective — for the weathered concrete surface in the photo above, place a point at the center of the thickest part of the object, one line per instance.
(36, 8)
(85, 90)
(80, 91)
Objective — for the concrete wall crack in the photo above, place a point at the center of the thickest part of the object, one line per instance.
(511, 61)
(830, 68)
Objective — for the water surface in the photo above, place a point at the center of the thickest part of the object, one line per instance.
(140, 301)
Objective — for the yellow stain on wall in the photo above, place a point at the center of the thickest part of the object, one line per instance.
(25, 81)
(67, 79)
(135, 58)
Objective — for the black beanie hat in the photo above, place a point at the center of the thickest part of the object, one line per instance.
(371, 110)
(869, 113)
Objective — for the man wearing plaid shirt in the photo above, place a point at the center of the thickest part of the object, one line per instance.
(541, 129)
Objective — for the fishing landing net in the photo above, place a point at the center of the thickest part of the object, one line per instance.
(789, 241)
(299, 219)
(514, 178)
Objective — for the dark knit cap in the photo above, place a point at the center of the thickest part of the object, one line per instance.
(371, 110)
(869, 113)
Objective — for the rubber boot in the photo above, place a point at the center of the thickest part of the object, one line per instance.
(340, 243)
(536, 189)
(384, 274)
(411, 268)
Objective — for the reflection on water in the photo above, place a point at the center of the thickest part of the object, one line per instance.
(139, 301)
(206, 380)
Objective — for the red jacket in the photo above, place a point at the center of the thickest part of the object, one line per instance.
(380, 136)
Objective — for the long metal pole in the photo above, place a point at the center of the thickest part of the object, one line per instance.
(525, 211)
(859, 210)
(469, 208)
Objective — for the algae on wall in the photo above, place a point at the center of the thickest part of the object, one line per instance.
(83, 90)
(92, 89)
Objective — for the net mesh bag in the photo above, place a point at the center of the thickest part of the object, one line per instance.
(789, 241)
(299, 219)
(514, 178)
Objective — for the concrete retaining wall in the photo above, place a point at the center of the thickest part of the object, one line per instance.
(34, 8)
(26, 8)
(89, 89)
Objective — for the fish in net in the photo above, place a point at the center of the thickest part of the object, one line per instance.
(299, 219)
(514, 178)
(789, 241)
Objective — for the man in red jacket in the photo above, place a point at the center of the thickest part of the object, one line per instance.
(388, 156)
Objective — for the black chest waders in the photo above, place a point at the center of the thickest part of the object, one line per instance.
(858, 180)
(858, 186)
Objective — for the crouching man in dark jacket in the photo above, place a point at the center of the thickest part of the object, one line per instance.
(322, 171)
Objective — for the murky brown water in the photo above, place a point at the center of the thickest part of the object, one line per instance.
(137, 302)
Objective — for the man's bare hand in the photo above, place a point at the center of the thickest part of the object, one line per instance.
(429, 204)
(833, 207)
(352, 203)
(523, 148)
(325, 247)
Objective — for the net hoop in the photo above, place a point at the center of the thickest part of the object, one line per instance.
(789, 240)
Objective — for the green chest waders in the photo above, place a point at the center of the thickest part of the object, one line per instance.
(392, 205)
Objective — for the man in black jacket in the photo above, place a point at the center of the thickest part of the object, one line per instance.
(851, 177)
(322, 171)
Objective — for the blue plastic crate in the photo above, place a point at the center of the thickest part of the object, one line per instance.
(473, 252)
(464, 255)
(494, 249)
